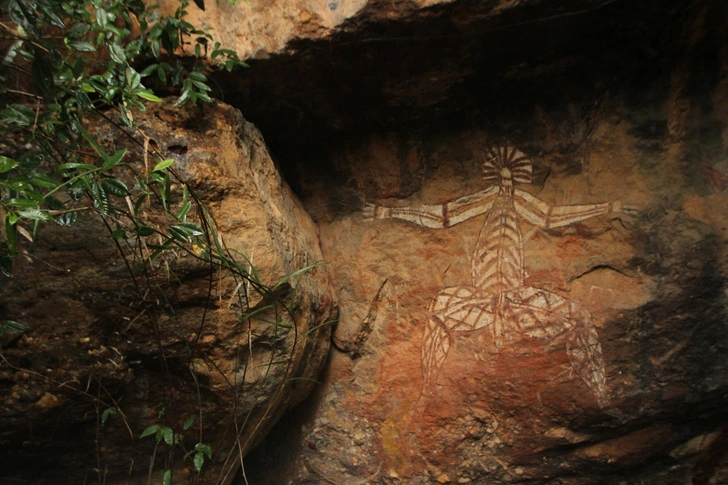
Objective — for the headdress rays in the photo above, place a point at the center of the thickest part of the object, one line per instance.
(513, 159)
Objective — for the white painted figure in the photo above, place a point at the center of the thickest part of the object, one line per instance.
(498, 297)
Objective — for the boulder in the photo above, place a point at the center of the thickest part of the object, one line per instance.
(176, 347)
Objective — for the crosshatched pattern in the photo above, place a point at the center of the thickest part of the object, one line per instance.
(498, 297)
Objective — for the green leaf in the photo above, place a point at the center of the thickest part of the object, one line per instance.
(184, 98)
(18, 327)
(156, 50)
(101, 18)
(21, 203)
(100, 197)
(43, 181)
(200, 4)
(50, 15)
(7, 164)
(163, 164)
(200, 85)
(149, 69)
(167, 477)
(192, 228)
(19, 115)
(21, 185)
(165, 191)
(115, 186)
(78, 30)
(105, 415)
(117, 53)
(197, 76)
(114, 159)
(144, 231)
(198, 460)
(149, 96)
(182, 214)
(17, 14)
(168, 435)
(74, 165)
(81, 45)
(133, 78)
(167, 42)
(204, 448)
(135, 102)
(34, 214)
(67, 219)
(189, 422)
(92, 141)
(179, 234)
(150, 431)
(184, 231)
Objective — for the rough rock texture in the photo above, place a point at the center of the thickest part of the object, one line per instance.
(653, 283)
(397, 103)
(623, 103)
(267, 27)
(92, 345)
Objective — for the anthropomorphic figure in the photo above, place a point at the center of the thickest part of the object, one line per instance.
(498, 296)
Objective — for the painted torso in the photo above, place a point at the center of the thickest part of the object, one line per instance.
(497, 263)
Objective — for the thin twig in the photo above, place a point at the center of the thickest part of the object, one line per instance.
(23, 93)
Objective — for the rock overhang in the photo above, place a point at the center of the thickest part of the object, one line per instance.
(455, 63)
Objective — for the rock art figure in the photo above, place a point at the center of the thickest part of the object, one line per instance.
(498, 297)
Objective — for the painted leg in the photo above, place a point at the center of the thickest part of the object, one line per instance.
(547, 316)
(435, 346)
(455, 309)
(585, 354)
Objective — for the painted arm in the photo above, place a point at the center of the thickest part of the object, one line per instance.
(543, 215)
(438, 215)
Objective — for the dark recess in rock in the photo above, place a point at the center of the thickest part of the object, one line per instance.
(456, 65)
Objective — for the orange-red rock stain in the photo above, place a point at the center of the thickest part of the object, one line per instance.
(570, 247)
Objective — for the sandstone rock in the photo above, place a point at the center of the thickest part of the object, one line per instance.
(396, 103)
(267, 28)
(93, 346)
(651, 278)
(523, 413)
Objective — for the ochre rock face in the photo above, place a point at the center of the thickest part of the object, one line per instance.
(605, 360)
(602, 358)
(644, 278)
(92, 345)
(489, 410)
(256, 30)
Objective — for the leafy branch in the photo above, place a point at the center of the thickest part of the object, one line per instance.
(73, 62)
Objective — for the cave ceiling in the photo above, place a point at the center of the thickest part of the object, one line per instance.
(465, 63)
